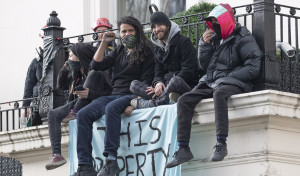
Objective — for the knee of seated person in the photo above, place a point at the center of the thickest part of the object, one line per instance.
(112, 109)
(133, 85)
(176, 78)
(51, 116)
(182, 100)
(218, 93)
(94, 74)
(81, 114)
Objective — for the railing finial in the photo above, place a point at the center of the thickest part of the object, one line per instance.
(53, 20)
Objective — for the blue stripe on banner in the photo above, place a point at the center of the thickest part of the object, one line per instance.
(147, 142)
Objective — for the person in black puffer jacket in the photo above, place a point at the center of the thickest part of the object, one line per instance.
(231, 58)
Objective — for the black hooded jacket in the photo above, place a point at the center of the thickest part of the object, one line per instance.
(34, 74)
(236, 61)
(85, 53)
(177, 58)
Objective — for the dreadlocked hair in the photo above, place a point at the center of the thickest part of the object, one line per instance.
(142, 44)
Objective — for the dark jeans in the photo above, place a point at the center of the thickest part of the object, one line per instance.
(112, 106)
(56, 116)
(188, 101)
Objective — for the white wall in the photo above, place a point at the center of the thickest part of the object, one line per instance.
(21, 21)
(20, 25)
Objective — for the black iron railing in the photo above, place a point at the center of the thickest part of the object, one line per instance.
(15, 117)
(269, 22)
(287, 30)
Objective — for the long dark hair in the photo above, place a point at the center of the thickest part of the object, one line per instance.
(142, 44)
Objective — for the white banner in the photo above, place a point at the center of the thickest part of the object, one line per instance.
(147, 142)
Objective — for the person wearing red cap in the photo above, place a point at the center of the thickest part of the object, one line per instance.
(231, 58)
(102, 24)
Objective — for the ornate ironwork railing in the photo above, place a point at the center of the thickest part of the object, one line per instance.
(10, 167)
(287, 30)
(15, 117)
(269, 22)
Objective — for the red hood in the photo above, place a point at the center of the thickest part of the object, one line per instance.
(224, 14)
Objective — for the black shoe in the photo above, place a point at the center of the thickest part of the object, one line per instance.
(86, 170)
(220, 152)
(163, 100)
(179, 157)
(110, 168)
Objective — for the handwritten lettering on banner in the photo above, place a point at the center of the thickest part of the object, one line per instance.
(147, 139)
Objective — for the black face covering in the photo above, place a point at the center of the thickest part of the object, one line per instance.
(75, 68)
(217, 30)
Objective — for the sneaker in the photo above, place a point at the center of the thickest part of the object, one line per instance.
(220, 152)
(56, 161)
(139, 103)
(70, 116)
(85, 170)
(110, 168)
(174, 97)
(162, 100)
(182, 155)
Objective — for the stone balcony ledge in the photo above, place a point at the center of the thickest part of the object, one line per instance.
(243, 106)
(263, 139)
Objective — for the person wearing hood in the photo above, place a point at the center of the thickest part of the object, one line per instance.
(175, 65)
(84, 85)
(231, 58)
(34, 74)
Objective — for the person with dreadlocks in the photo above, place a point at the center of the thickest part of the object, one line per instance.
(133, 60)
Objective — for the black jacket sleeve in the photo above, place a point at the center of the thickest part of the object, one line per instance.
(205, 52)
(250, 55)
(148, 69)
(188, 60)
(159, 70)
(107, 62)
(107, 88)
(30, 82)
(64, 79)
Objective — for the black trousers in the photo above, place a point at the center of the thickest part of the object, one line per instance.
(94, 82)
(187, 102)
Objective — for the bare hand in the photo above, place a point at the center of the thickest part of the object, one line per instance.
(159, 89)
(207, 35)
(128, 111)
(67, 65)
(150, 90)
(108, 36)
(83, 94)
(26, 115)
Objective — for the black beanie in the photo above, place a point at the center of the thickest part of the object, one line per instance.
(159, 18)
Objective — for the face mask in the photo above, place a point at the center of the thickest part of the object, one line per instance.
(75, 68)
(217, 30)
(128, 41)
